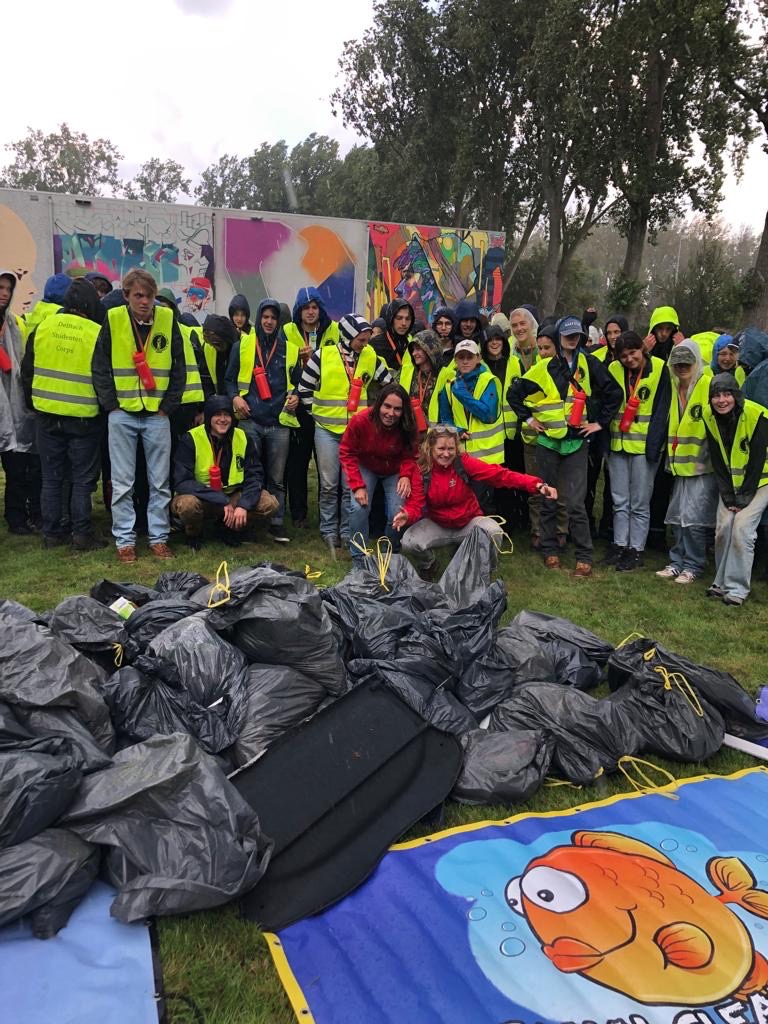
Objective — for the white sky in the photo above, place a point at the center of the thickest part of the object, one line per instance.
(194, 79)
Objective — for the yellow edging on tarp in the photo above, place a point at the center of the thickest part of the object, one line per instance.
(288, 979)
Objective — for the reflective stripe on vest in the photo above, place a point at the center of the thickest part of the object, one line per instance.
(193, 389)
(62, 384)
(633, 442)
(295, 335)
(751, 415)
(444, 376)
(210, 354)
(204, 458)
(549, 408)
(131, 393)
(486, 440)
(509, 417)
(329, 402)
(687, 448)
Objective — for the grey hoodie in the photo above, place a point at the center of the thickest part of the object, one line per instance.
(17, 423)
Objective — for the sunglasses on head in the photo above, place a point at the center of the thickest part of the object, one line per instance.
(444, 428)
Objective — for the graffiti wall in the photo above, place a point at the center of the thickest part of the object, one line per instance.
(277, 254)
(174, 243)
(25, 244)
(432, 267)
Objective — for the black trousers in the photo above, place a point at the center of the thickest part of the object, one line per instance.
(70, 461)
(300, 449)
(569, 474)
(597, 463)
(22, 487)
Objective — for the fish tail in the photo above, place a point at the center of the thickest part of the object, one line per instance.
(737, 885)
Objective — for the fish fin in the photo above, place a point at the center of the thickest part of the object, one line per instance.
(755, 981)
(569, 955)
(619, 844)
(730, 874)
(685, 945)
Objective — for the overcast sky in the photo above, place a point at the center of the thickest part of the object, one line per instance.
(194, 79)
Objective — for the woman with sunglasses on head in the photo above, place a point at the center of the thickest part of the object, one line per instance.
(442, 508)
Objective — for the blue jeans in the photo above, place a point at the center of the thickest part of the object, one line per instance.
(125, 430)
(689, 551)
(70, 450)
(632, 478)
(358, 514)
(332, 524)
(735, 544)
(272, 445)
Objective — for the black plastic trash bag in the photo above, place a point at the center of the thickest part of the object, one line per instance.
(280, 620)
(502, 767)
(718, 688)
(94, 629)
(20, 611)
(550, 627)
(472, 629)
(278, 698)
(46, 877)
(468, 574)
(372, 628)
(513, 658)
(180, 583)
(179, 836)
(572, 666)
(148, 698)
(149, 621)
(107, 592)
(402, 587)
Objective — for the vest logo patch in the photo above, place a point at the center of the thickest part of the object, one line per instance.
(366, 378)
(159, 343)
(744, 445)
(696, 412)
(644, 393)
(239, 462)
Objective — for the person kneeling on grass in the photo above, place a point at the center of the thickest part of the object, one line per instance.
(442, 505)
(218, 476)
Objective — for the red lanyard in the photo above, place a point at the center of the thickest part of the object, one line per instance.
(394, 348)
(269, 357)
(216, 457)
(137, 336)
(422, 390)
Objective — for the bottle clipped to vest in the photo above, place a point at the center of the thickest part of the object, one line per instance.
(144, 370)
(262, 383)
(418, 412)
(214, 478)
(628, 417)
(577, 409)
(355, 390)
(5, 361)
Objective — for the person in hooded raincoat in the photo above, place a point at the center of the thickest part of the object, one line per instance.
(391, 347)
(725, 358)
(753, 358)
(444, 326)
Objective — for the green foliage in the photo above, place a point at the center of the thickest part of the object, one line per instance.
(63, 161)
(708, 291)
(158, 181)
(624, 295)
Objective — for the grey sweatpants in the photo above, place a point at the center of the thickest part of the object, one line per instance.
(420, 540)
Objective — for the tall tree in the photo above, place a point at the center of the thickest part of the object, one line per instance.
(312, 166)
(158, 181)
(63, 161)
(260, 181)
(224, 183)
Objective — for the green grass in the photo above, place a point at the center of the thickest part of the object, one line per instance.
(220, 960)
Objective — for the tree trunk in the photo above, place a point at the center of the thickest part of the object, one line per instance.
(553, 201)
(758, 311)
(636, 235)
(513, 263)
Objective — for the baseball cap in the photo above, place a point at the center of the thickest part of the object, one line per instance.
(351, 325)
(570, 325)
(467, 346)
(681, 355)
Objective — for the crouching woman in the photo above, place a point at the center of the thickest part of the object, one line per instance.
(442, 506)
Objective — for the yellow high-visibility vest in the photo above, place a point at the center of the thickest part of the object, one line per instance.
(62, 383)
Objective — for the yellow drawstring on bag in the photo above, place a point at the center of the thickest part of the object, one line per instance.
(310, 574)
(118, 652)
(220, 591)
(645, 784)
(499, 543)
(383, 555)
(629, 639)
(681, 682)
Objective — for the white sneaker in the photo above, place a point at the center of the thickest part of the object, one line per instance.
(685, 577)
(668, 573)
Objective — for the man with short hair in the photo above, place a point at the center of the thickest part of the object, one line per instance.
(139, 375)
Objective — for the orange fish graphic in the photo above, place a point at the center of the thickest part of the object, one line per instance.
(619, 912)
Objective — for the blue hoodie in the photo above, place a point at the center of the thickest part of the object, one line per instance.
(717, 348)
(485, 408)
(303, 298)
(264, 412)
(753, 354)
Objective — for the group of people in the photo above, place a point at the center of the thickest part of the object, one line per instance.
(420, 432)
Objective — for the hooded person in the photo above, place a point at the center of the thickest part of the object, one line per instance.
(725, 358)
(737, 432)
(424, 375)
(58, 385)
(614, 326)
(240, 313)
(524, 329)
(470, 323)
(501, 320)
(218, 476)
(17, 429)
(310, 325)
(545, 398)
(261, 380)
(285, 314)
(393, 346)
(100, 282)
(444, 326)
(663, 332)
(53, 297)
(753, 357)
(219, 337)
(198, 384)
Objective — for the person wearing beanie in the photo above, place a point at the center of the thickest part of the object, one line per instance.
(58, 386)
(333, 386)
(56, 288)
(219, 337)
(444, 326)
(261, 380)
(240, 314)
(737, 432)
(218, 477)
(100, 282)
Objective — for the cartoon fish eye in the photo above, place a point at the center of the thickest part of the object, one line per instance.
(550, 889)
(514, 895)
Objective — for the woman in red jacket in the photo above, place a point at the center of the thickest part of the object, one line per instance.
(379, 444)
(442, 505)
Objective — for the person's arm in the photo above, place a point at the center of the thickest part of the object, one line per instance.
(309, 381)
(754, 468)
(354, 442)
(498, 476)
(253, 478)
(184, 481)
(381, 374)
(607, 394)
(209, 387)
(485, 408)
(444, 412)
(177, 380)
(415, 505)
(658, 428)
(231, 389)
(101, 370)
(518, 391)
(28, 369)
(720, 469)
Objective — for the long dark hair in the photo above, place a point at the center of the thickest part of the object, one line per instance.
(407, 422)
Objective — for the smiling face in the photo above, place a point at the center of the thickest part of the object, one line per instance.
(419, 357)
(727, 358)
(612, 334)
(522, 331)
(391, 410)
(444, 450)
(468, 327)
(723, 402)
(546, 347)
(220, 423)
(495, 347)
(632, 358)
(269, 320)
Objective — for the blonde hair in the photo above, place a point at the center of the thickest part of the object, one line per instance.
(140, 277)
(424, 460)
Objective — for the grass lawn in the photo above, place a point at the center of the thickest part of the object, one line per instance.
(221, 961)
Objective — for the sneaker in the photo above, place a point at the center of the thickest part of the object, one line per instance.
(670, 572)
(87, 542)
(278, 534)
(552, 562)
(126, 554)
(715, 591)
(630, 559)
(161, 550)
(58, 540)
(732, 599)
(613, 554)
(583, 571)
(685, 577)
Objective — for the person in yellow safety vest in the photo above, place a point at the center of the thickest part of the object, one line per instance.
(725, 358)
(261, 380)
(100, 282)
(663, 332)
(334, 385)
(737, 430)
(391, 346)
(310, 328)
(218, 477)
(219, 335)
(606, 353)
(638, 440)
(240, 314)
(545, 400)
(693, 505)
(55, 289)
(423, 376)
(444, 326)
(198, 385)
(524, 329)
(138, 373)
(58, 385)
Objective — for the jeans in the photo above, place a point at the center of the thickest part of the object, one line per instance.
(272, 447)
(70, 453)
(632, 480)
(358, 514)
(327, 446)
(735, 544)
(569, 474)
(689, 551)
(421, 539)
(125, 431)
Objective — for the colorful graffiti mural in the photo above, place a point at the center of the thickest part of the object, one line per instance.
(174, 243)
(25, 231)
(276, 256)
(432, 267)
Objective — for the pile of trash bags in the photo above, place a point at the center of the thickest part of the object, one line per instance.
(124, 712)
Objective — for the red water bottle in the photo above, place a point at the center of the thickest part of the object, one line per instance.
(214, 478)
(262, 384)
(628, 418)
(418, 412)
(577, 408)
(143, 369)
(5, 361)
(355, 391)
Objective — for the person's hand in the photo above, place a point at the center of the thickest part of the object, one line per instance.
(229, 515)
(305, 352)
(677, 337)
(403, 487)
(649, 342)
(589, 428)
(161, 413)
(291, 403)
(360, 494)
(240, 406)
(547, 492)
(400, 520)
(534, 424)
(239, 518)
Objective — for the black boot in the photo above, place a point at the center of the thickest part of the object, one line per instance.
(614, 553)
(87, 542)
(630, 559)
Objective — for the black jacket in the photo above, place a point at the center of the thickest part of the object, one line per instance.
(184, 481)
(658, 428)
(758, 446)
